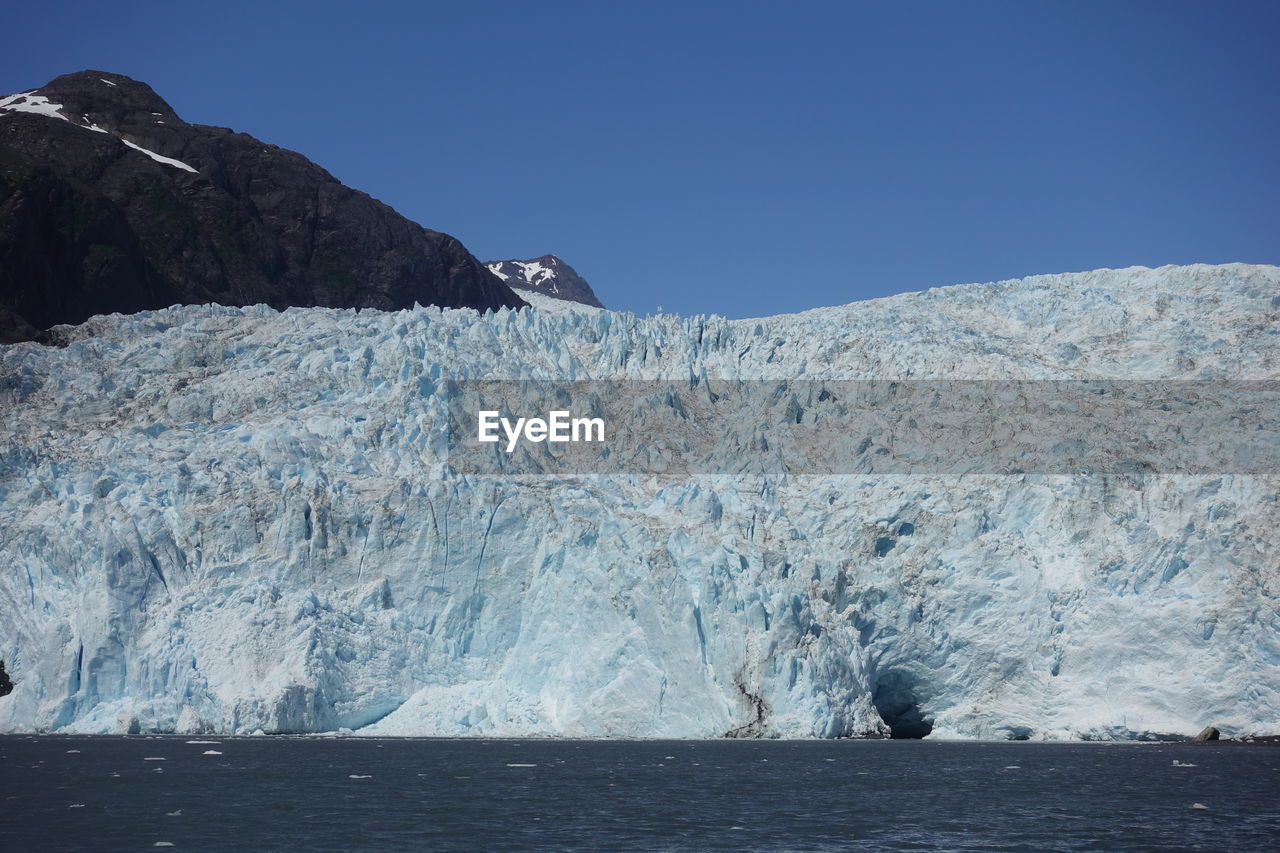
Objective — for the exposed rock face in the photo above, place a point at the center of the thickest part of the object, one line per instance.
(547, 275)
(14, 328)
(1208, 733)
(109, 202)
(6, 684)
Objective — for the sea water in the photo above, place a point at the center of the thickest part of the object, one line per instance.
(311, 793)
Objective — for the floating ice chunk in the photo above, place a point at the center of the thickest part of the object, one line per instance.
(358, 776)
(153, 758)
(209, 742)
(1177, 763)
(522, 765)
(76, 806)
(73, 752)
(211, 752)
(178, 813)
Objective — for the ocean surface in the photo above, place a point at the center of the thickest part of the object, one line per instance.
(296, 793)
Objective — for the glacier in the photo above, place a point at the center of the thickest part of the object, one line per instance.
(226, 520)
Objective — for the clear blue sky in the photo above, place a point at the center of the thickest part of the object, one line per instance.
(739, 157)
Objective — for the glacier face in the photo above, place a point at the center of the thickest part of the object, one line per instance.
(225, 520)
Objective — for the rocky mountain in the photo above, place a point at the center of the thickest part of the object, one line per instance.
(110, 202)
(547, 275)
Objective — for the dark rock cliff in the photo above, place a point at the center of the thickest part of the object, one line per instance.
(109, 202)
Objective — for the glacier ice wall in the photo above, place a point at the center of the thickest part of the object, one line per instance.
(225, 520)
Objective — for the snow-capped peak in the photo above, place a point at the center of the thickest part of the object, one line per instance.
(546, 275)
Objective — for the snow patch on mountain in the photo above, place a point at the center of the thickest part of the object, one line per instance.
(30, 102)
(225, 520)
(159, 158)
(531, 273)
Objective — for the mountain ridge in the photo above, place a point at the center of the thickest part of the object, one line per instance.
(111, 202)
